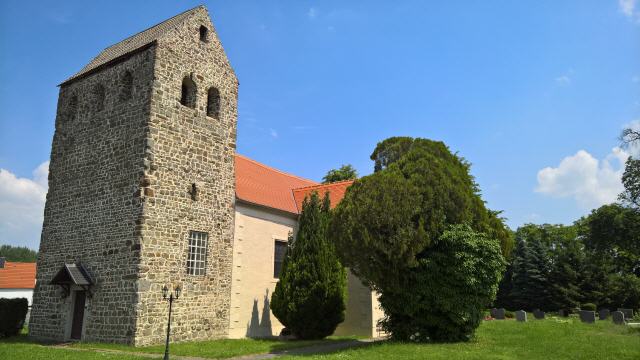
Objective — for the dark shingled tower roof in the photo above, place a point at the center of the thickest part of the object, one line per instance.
(133, 43)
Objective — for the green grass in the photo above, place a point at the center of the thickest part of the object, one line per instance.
(21, 348)
(552, 338)
(215, 349)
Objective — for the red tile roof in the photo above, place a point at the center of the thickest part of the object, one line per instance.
(263, 185)
(260, 184)
(336, 192)
(18, 275)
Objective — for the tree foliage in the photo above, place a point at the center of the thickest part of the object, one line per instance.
(389, 223)
(345, 172)
(18, 253)
(631, 183)
(310, 297)
(443, 298)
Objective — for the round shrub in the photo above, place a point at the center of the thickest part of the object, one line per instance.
(588, 307)
(12, 315)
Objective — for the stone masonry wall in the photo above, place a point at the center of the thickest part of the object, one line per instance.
(187, 147)
(91, 209)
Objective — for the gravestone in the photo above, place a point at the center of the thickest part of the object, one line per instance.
(587, 316)
(563, 313)
(521, 316)
(628, 313)
(493, 312)
(618, 317)
(500, 314)
(603, 314)
(538, 314)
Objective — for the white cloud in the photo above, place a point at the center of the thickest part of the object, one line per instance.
(273, 133)
(312, 13)
(22, 206)
(591, 182)
(627, 7)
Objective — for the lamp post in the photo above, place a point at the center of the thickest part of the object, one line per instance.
(167, 295)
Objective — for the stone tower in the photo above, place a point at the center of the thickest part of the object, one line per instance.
(141, 191)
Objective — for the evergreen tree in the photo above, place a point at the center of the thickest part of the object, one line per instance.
(565, 277)
(309, 299)
(539, 276)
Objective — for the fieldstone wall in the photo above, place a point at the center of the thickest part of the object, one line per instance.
(187, 150)
(91, 209)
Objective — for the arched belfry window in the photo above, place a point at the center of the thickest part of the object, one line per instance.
(204, 32)
(126, 86)
(213, 102)
(188, 97)
(99, 97)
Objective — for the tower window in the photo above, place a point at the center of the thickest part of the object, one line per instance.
(99, 97)
(126, 86)
(188, 97)
(197, 258)
(213, 102)
(203, 33)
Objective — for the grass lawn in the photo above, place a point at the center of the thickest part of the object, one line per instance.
(20, 347)
(537, 339)
(216, 349)
(548, 339)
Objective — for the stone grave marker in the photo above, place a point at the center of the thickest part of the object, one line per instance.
(521, 316)
(538, 314)
(618, 317)
(587, 316)
(603, 314)
(499, 314)
(493, 312)
(628, 313)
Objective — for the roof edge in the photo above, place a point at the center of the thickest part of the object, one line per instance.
(276, 170)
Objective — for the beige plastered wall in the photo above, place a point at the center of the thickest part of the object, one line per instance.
(256, 230)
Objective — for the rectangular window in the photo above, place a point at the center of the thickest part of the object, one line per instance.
(197, 260)
(278, 257)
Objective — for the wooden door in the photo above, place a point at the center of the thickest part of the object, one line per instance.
(78, 315)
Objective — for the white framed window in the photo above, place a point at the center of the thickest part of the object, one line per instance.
(197, 258)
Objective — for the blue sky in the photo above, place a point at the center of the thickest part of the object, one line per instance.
(533, 94)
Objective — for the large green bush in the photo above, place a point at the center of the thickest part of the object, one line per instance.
(309, 299)
(445, 294)
(12, 315)
(389, 231)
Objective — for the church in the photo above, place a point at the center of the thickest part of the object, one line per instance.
(146, 190)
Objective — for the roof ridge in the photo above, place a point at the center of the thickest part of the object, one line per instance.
(151, 27)
(276, 170)
(324, 185)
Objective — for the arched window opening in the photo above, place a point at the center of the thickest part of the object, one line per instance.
(213, 102)
(126, 86)
(188, 97)
(72, 108)
(99, 96)
(203, 33)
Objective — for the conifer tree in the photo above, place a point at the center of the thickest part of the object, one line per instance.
(309, 299)
(565, 277)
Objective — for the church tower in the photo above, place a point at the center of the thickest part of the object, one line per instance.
(141, 191)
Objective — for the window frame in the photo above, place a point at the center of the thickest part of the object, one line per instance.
(197, 249)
